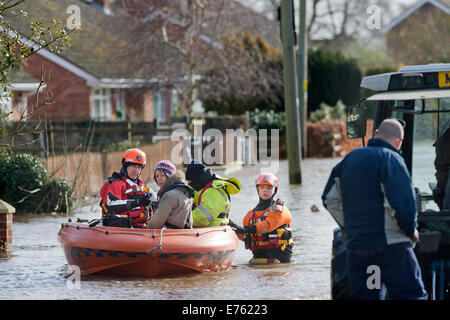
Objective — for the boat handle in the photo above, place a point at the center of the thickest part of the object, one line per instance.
(159, 246)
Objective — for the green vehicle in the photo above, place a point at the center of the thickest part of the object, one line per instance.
(420, 96)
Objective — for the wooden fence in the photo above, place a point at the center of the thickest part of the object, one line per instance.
(87, 171)
(56, 138)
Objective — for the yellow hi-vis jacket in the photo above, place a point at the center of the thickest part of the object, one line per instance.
(212, 203)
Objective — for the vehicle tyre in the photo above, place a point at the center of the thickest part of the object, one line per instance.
(339, 270)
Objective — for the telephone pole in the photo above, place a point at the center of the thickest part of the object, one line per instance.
(303, 75)
(290, 97)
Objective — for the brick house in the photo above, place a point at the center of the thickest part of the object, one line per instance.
(420, 34)
(23, 88)
(118, 66)
(103, 75)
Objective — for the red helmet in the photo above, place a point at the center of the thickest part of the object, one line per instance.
(267, 179)
(134, 156)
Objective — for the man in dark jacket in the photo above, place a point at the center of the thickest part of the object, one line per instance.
(371, 196)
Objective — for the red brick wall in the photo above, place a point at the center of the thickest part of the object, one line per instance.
(5, 231)
(328, 138)
(70, 95)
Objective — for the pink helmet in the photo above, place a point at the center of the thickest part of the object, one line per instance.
(267, 179)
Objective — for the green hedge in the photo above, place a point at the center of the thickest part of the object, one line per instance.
(326, 112)
(262, 119)
(25, 184)
(332, 77)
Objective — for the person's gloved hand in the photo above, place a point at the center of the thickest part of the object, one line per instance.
(247, 229)
(142, 201)
(154, 205)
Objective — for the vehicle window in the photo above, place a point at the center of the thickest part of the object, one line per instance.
(444, 118)
(427, 127)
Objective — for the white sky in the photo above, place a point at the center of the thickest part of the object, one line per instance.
(397, 5)
(258, 5)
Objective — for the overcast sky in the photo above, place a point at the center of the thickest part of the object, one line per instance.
(398, 6)
(259, 5)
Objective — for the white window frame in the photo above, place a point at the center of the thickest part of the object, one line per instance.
(102, 97)
(22, 105)
(6, 104)
(120, 104)
(174, 101)
(159, 106)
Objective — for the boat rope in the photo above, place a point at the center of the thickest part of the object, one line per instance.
(159, 246)
(194, 234)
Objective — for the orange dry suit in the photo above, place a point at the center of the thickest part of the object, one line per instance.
(273, 237)
(117, 194)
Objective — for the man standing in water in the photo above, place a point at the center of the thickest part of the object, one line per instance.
(371, 196)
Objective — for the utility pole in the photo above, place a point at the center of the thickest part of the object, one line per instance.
(303, 75)
(290, 97)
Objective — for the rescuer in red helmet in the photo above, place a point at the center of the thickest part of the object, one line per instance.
(125, 199)
(266, 230)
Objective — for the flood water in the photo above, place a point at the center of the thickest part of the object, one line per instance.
(38, 266)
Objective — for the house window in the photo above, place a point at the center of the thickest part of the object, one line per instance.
(120, 106)
(174, 103)
(22, 104)
(197, 106)
(101, 104)
(5, 106)
(159, 106)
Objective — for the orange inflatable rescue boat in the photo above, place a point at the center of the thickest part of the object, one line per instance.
(147, 252)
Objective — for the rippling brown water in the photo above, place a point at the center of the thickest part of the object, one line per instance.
(38, 266)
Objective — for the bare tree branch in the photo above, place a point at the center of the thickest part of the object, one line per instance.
(25, 116)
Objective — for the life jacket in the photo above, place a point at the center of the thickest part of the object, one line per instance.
(278, 238)
(219, 204)
(138, 216)
(189, 190)
(223, 193)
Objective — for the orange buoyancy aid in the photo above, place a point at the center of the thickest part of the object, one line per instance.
(280, 237)
(115, 195)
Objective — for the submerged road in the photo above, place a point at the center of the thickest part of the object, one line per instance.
(38, 266)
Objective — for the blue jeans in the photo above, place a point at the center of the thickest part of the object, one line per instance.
(394, 268)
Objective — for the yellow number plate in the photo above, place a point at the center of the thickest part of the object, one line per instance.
(444, 79)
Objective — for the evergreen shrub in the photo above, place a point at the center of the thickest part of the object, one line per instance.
(25, 184)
